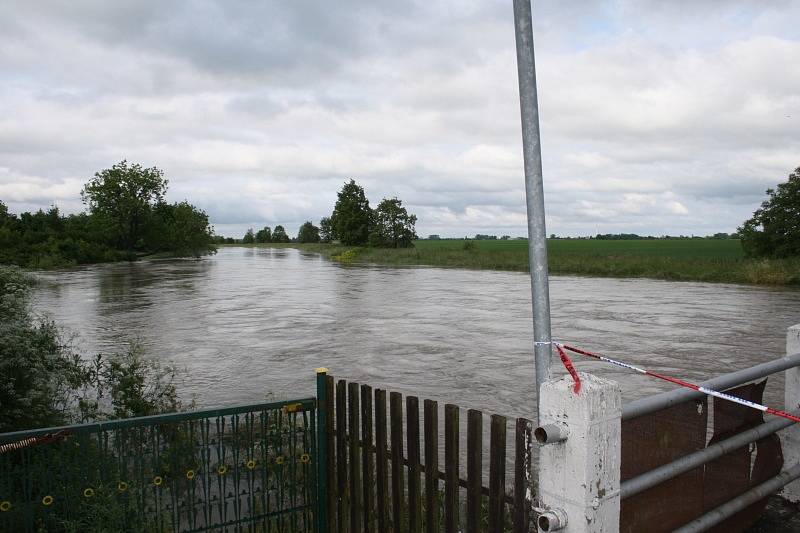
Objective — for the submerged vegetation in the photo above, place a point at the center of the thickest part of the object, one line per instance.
(710, 260)
(47, 383)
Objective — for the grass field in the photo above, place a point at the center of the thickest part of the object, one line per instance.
(672, 259)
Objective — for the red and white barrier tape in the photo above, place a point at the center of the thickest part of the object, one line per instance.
(31, 441)
(568, 365)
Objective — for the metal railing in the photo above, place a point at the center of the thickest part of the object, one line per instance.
(684, 464)
(248, 468)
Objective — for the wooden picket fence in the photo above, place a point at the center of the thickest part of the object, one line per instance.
(377, 480)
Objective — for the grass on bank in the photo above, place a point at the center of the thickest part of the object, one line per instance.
(669, 259)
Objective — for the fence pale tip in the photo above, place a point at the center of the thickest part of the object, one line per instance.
(321, 370)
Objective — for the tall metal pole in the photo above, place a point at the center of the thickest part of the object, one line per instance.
(534, 194)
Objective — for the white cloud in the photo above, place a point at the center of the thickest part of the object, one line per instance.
(653, 119)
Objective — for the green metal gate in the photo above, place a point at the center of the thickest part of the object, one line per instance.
(247, 468)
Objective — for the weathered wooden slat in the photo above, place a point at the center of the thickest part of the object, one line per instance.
(354, 459)
(366, 459)
(474, 468)
(522, 472)
(398, 487)
(431, 411)
(341, 457)
(381, 462)
(497, 474)
(331, 466)
(412, 432)
(451, 473)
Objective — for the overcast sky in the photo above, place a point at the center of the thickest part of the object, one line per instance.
(657, 117)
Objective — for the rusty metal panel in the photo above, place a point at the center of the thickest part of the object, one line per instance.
(734, 473)
(651, 441)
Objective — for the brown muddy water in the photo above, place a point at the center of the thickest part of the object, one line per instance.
(254, 322)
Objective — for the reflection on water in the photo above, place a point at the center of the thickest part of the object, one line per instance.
(250, 322)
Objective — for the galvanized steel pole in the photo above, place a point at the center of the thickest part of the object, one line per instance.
(534, 194)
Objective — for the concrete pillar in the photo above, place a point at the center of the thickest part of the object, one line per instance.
(579, 477)
(790, 437)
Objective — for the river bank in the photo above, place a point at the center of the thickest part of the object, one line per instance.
(675, 260)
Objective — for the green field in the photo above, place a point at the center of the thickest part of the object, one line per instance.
(680, 248)
(672, 259)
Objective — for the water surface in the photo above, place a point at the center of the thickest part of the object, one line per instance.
(254, 322)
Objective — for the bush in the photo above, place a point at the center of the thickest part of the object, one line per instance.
(39, 371)
(46, 383)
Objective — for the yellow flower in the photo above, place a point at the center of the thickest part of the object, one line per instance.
(221, 469)
(88, 492)
(47, 500)
(158, 480)
(190, 474)
(122, 486)
(305, 458)
(251, 464)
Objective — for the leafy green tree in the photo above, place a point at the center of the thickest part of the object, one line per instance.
(308, 233)
(189, 231)
(124, 196)
(774, 228)
(264, 235)
(280, 235)
(180, 228)
(352, 216)
(392, 227)
(325, 230)
(249, 238)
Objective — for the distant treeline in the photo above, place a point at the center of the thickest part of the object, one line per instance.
(633, 236)
(599, 236)
(127, 218)
(353, 223)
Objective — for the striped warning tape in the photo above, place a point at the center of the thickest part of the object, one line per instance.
(561, 347)
(31, 441)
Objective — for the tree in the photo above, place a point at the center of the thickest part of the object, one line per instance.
(264, 235)
(280, 235)
(325, 229)
(351, 218)
(308, 233)
(393, 226)
(774, 228)
(249, 238)
(189, 233)
(124, 195)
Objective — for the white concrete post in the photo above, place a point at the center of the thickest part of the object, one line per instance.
(579, 477)
(790, 436)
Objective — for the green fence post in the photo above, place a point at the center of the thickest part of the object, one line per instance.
(322, 450)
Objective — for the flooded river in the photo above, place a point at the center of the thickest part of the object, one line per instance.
(249, 323)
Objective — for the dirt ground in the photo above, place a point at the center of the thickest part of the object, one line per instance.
(781, 516)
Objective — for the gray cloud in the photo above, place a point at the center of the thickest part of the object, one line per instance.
(656, 117)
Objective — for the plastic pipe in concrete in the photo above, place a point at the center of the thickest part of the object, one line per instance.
(791, 437)
(579, 478)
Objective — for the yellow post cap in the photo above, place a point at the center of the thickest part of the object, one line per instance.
(321, 370)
